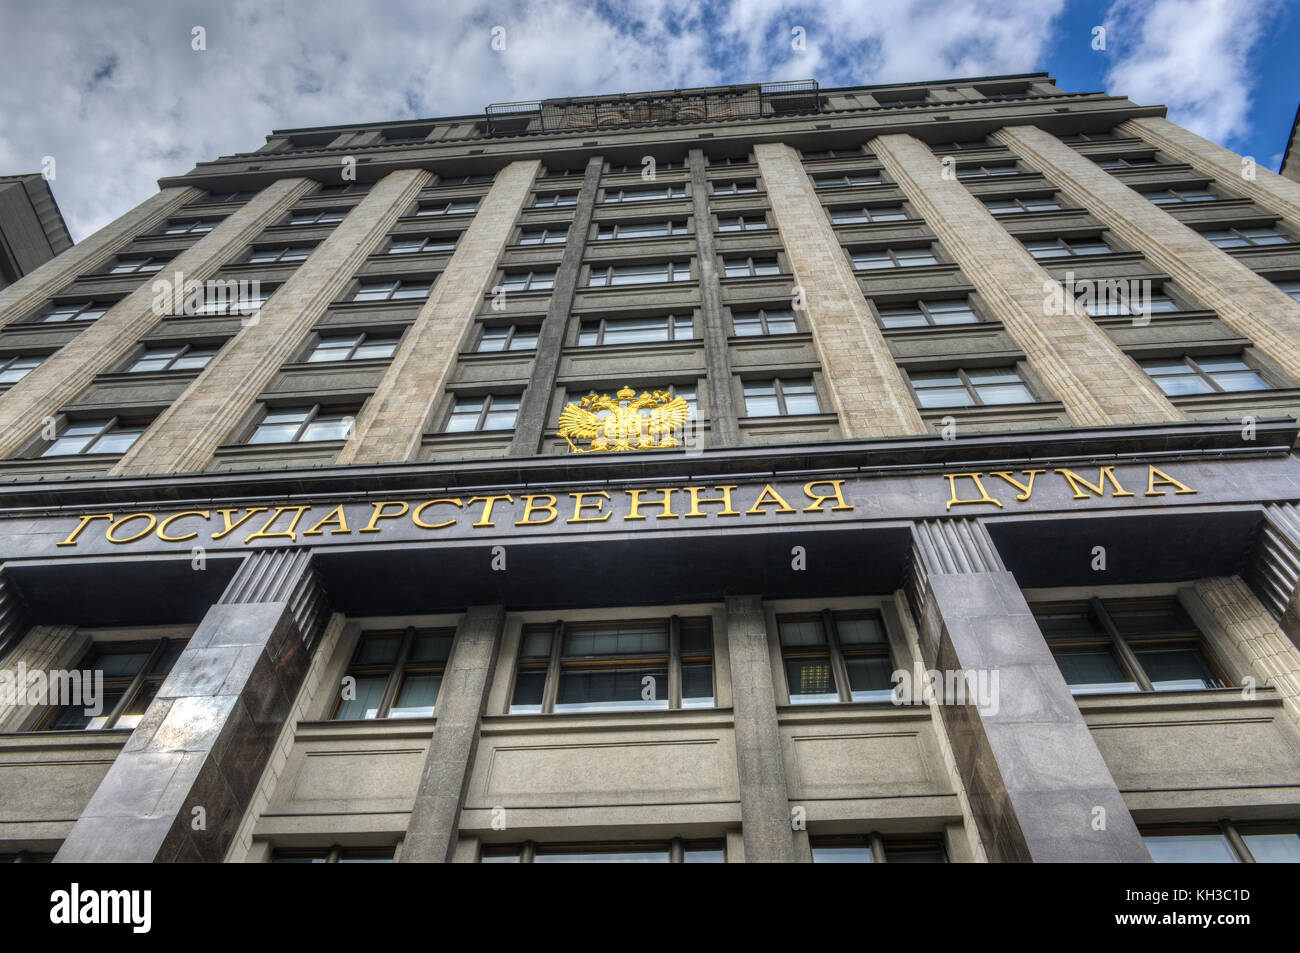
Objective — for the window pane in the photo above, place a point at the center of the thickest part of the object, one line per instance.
(528, 693)
(841, 853)
(1241, 380)
(607, 690)
(649, 855)
(1190, 848)
(1004, 393)
(630, 639)
(1274, 848)
(811, 680)
(369, 692)
(870, 678)
(697, 685)
(1092, 672)
(416, 697)
(1176, 669)
(116, 441)
(703, 855)
(333, 427)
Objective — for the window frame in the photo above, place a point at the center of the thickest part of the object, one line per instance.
(132, 687)
(673, 326)
(746, 223)
(765, 329)
(1020, 207)
(672, 227)
(185, 348)
(970, 387)
(896, 262)
(397, 284)
(725, 187)
(113, 424)
(828, 180)
(671, 270)
(622, 195)
(94, 304)
(1068, 243)
(511, 330)
(922, 306)
(1233, 832)
(837, 656)
(752, 264)
(322, 216)
(397, 671)
(313, 413)
(551, 234)
(445, 209)
(780, 384)
(488, 400)
(363, 338)
(7, 362)
(1249, 241)
(426, 243)
(1192, 362)
(879, 846)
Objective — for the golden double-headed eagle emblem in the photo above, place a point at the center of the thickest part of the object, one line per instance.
(624, 422)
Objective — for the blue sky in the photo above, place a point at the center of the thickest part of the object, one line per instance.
(118, 97)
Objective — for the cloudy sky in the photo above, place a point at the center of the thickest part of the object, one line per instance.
(117, 95)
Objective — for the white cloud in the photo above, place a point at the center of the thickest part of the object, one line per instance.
(1190, 55)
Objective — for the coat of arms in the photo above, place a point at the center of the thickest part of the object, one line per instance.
(625, 421)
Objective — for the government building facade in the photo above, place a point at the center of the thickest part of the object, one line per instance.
(760, 473)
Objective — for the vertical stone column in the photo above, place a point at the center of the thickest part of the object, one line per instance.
(724, 430)
(208, 735)
(41, 649)
(764, 796)
(462, 699)
(27, 293)
(1075, 358)
(1252, 306)
(1265, 188)
(187, 433)
(531, 423)
(1275, 565)
(1032, 771)
(391, 425)
(868, 390)
(68, 371)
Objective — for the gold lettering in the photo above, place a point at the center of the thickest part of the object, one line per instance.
(819, 499)
(579, 504)
(1099, 488)
(529, 506)
(769, 497)
(415, 517)
(1165, 479)
(153, 521)
(335, 517)
(162, 527)
(81, 525)
(488, 503)
(696, 500)
(956, 500)
(377, 514)
(666, 503)
(231, 527)
(1026, 490)
(289, 532)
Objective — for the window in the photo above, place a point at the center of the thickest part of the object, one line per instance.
(556, 200)
(835, 657)
(551, 235)
(1109, 297)
(1178, 196)
(137, 265)
(872, 848)
(288, 253)
(1129, 162)
(1227, 842)
(781, 397)
(1246, 237)
(864, 216)
(346, 188)
(335, 855)
(1015, 206)
(1090, 136)
(311, 216)
(976, 387)
(893, 258)
(1105, 646)
(640, 230)
(985, 171)
(926, 313)
(749, 267)
(303, 425)
(193, 226)
(669, 327)
(1067, 247)
(611, 276)
(490, 412)
(764, 321)
(104, 435)
(528, 280)
(963, 146)
(397, 290)
(615, 666)
(226, 300)
(748, 187)
(809, 156)
(1290, 287)
(76, 311)
(508, 337)
(1203, 375)
(396, 674)
(458, 207)
(902, 99)
(224, 198)
(361, 346)
(645, 195)
(174, 357)
(676, 851)
(396, 138)
(729, 160)
(15, 367)
(743, 223)
(133, 673)
(618, 168)
(467, 179)
(425, 245)
(846, 180)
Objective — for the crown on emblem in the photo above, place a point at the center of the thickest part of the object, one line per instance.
(626, 393)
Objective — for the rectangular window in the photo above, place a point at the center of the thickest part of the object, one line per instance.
(893, 258)
(1180, 196)
(1014, 206)
(676, 851)
(423, 245)
(556, 200)
(743, 223)
(508, 337)
(1065, 248)
(781, 397)
(659, 193)
(174, 357)
(1226, 842)
(334, 855)
(765, 321)
(458, 207)
(866, 215)
(615, 275)
(395, 674)
(640, 230)
(489, 412)
(1203, 375)
(137, 265)
(750, 267)
(1149, 645)
(1110, 298)
(835, 657)
(264, 256)
(551, 235)
(542, 280)
(1291, 288)
(193, 226)
(813, 155)
(303, 425)
(15, 367)
(872, 848)
(928, 313)
(986, 171)
(133, 673)
(397, 290)
(75, 311)
(749, 187)
(317, 216)
(1246, 237)
(641, 665)
(669, 327)
(105, 435)
(846, 180)
(361, 346)
(1128, 162)
(969, 388)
